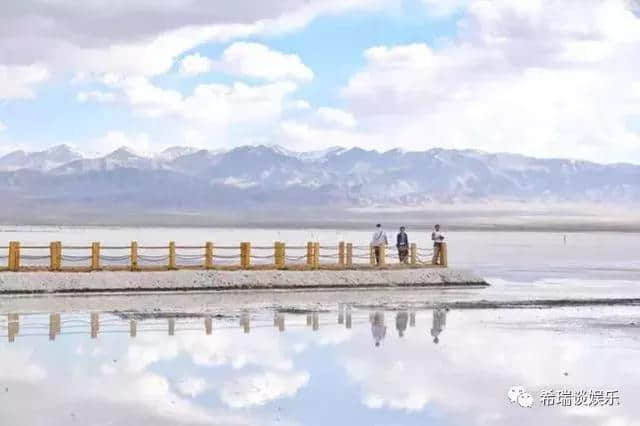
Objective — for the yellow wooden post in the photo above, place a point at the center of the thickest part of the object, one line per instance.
(58, 255)
(414, 254)
(95, 256)
(14, 256)
(349, 255)
(172, 255)
(372, 255)
(310, 254)
(316, 255)
(341, 253)
(134, 255)
(279, 253)
(444, 261)
(172, 326)
(245, 255)
(383, 254)
(55, 256)
(208, 325)
(133, 328)
(208, 255)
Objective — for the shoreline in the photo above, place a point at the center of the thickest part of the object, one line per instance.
(231, 303)
(241, 280)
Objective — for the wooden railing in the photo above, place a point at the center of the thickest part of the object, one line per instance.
(95, 257)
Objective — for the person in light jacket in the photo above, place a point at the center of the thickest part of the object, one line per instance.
(378, 240)
(437, 238)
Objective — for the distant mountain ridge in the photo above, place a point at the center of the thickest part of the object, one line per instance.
(186, 178)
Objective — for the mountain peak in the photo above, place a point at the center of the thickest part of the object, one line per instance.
(353, 176)
(61, 148)
(174, 152)
(124, 152)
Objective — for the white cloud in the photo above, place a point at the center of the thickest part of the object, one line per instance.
(258, 60)
(195, 64)
(337, 117)
(249, 60)
(552, 75)
(213, 104)
(300, 135)
(192, 386)
(19, 81)
(144, 38)
(261, 388)
(96, 96)
(300, 104)
(3, 127)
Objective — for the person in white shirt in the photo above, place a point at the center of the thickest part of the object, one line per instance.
(437, 238)
(378, 240)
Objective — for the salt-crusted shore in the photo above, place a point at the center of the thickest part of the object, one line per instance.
(184, 280)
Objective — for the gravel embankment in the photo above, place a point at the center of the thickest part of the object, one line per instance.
(109, 281)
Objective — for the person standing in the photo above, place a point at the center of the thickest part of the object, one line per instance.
(402, 244)
(379, 239)
(437, 238)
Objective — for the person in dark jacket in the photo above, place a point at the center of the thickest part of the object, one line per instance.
(402, 244)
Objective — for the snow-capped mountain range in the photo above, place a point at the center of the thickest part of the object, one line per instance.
(190, 178)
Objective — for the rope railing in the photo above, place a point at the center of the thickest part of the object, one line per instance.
(208, 256)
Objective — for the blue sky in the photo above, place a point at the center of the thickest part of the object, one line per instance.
(555, 77)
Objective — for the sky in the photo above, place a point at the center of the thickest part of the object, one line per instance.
(546, 78)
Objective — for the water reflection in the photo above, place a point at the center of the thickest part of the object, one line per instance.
(402, 318)
(313, 321)
(55, 326)
(292, 366)
(95, 325)
(378, 329)
(13, 326)
(439, 321)
(208, 326)
(245, 322)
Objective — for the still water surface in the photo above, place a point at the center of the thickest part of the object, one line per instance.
(351, 365)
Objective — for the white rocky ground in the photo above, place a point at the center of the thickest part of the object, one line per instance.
(45, 282)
